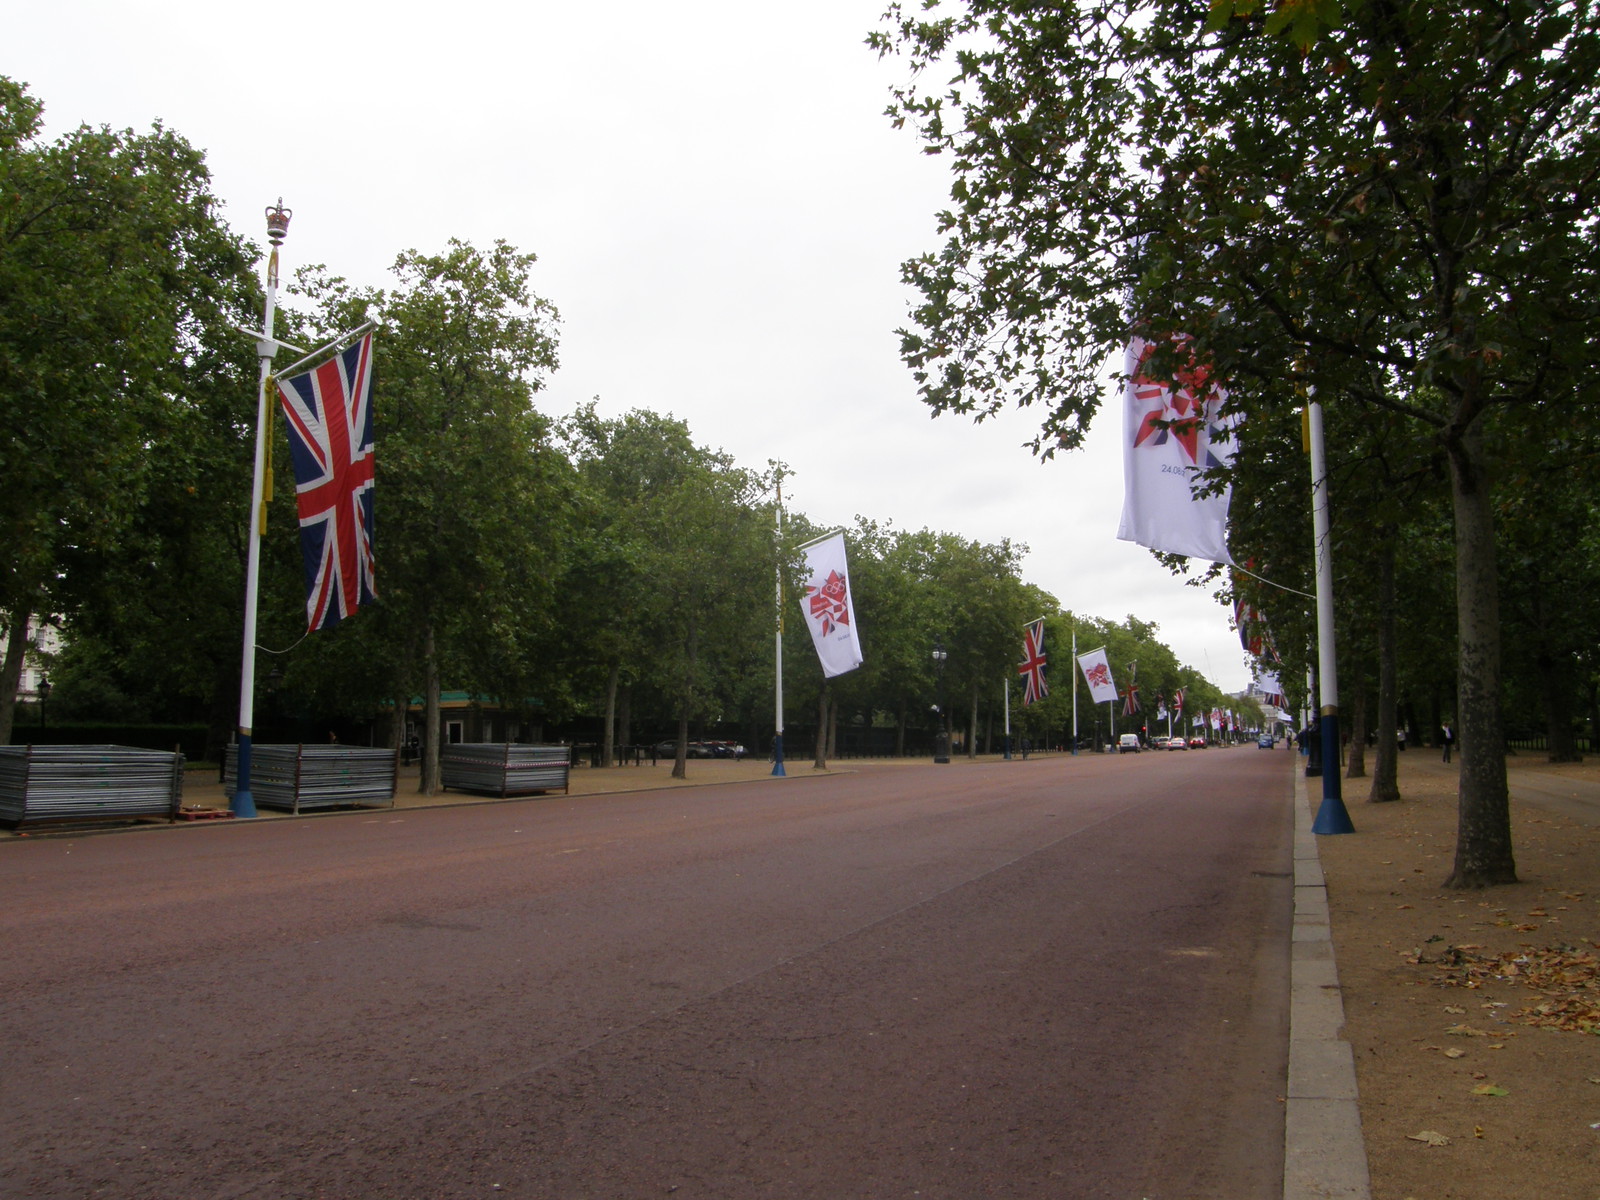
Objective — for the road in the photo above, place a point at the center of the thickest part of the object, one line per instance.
(1054, 978)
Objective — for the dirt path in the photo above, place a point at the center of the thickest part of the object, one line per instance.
(1465, 1009)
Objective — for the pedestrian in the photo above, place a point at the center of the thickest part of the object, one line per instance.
(1449, 740)
(1400, 736)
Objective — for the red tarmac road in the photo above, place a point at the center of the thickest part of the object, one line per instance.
(1057, 978)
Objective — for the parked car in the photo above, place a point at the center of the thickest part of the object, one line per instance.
(1177, 743)
(669, 749)
(1128, 743)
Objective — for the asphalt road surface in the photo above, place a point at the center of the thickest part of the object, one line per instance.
(1056, 978)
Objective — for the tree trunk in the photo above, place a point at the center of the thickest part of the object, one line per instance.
(1557, 690)
(11, 673)
(821, 761)
(680, 764)
(397, 734)
(608, 735)
(1484, 854)
(1557, 687)
(1386, 762)
(1358, 735)
(972, 727)
(428, 779)
(625, 715)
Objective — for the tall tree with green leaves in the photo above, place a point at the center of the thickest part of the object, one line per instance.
(1396, 207)
(118, 286)
(470, 497)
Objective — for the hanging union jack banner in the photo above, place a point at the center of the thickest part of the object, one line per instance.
(1130, 700)
(1031, 668)
(329, 411)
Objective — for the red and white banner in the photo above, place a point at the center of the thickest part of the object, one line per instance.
(1097, 674)
(829, 611)
(1171, 439)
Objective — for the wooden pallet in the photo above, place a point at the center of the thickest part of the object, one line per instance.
(201, 814)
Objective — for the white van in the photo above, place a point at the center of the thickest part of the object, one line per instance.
(1128, 743)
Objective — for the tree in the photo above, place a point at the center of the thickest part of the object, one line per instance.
(672, 559)
(469, 495)
(119, 372)
(1395, 208)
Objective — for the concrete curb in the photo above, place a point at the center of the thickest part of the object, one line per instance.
(1324, 1154)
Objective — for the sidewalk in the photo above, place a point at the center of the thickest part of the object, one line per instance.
(1469, 1016)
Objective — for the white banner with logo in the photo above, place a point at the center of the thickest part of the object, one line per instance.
(1097, 674)
(829, 611)
(1171, 438)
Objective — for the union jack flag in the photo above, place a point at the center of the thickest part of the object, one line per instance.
(329, 411)
(1031, 668)
(1177, 701)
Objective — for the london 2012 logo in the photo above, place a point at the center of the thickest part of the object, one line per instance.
(830, 604)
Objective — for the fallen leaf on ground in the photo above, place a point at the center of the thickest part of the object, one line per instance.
(1490, 1089)
(1567, 977)
(1429, 1137)
(1465, 1031)
(1455, 1053)
(1454, 1008)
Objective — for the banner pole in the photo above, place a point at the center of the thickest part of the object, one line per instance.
(1008, 720)
(1332, 816)
(1076, 671)
(243, 803)
(777, 612)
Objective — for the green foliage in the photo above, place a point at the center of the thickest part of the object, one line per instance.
(1393, 204)
(118, 284)
(558, 569)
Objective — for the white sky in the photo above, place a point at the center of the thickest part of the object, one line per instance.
(718, 205)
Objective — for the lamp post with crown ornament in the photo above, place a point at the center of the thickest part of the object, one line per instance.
(243, 803)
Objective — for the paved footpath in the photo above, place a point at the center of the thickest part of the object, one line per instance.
(1060, 978)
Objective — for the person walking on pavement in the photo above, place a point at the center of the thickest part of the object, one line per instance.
(1449, 740)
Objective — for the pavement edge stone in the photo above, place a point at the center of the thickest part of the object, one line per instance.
(1324, 1153)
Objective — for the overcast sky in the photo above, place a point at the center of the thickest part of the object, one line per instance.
(718, 205)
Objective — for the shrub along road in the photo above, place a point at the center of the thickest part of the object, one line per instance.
(1054, 978)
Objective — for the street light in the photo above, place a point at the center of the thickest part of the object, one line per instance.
(44, 694)
(941, 745)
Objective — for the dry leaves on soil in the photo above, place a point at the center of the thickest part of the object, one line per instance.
(1566, 977)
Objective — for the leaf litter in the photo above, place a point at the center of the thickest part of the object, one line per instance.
(1566, 977)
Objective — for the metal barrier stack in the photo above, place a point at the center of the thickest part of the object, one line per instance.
(297, 778)
(75, 783)
(508, 769)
